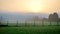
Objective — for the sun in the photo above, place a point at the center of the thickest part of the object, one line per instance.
(35, 6)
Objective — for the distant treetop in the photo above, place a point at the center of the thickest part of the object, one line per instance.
(53, 17)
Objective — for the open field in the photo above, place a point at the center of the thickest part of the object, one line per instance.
(30, 23)
(30, 30)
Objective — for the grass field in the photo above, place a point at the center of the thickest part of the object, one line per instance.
(30, 30)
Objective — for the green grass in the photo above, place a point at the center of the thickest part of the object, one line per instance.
(30, 30)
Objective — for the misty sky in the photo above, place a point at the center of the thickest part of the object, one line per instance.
(30, 6)
(13, 10)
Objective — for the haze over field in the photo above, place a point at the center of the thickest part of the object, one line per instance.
(21, 9)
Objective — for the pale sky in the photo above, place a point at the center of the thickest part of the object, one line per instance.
(27, 6)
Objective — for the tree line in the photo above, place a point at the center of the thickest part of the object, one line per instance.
(51, 18)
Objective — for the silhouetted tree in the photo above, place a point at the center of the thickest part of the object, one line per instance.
(53, 18)
(35, 18)
(7, 22)
(43, 22)
(58, 21)
(25, 22)
(17, 23)
(1, 20)
(50, 18)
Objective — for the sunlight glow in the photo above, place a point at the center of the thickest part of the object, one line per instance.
(30, 6)
(35, 6)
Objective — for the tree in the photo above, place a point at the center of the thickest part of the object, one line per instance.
(58, 21)
(1, 20)
(35, 18)
(50, 18)
(53, 17)
(1, 24)
(25, 22)
(43, 22)
(17, 23)
(7, 22)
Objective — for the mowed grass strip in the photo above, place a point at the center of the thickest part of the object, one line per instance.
(30, 30)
